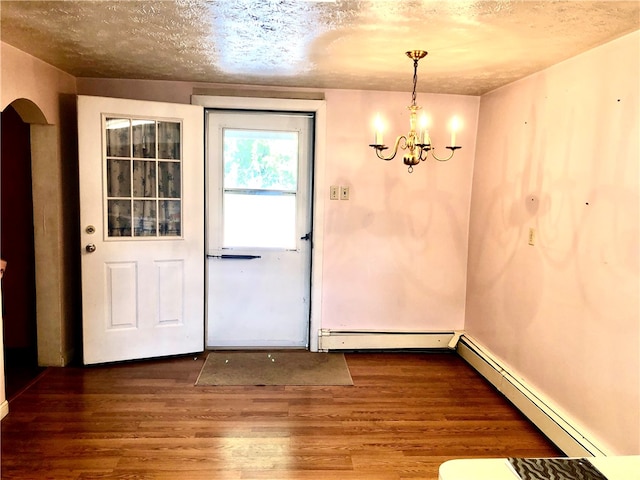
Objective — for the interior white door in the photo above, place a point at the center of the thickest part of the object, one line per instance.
(258, 229)
(142, 228)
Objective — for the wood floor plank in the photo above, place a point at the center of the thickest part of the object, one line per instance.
(405, 415)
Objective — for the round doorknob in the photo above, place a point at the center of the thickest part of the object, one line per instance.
(90, 248)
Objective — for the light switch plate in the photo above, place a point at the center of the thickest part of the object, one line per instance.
(344, 193)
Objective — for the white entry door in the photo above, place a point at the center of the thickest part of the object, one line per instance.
(142, 228)
(259, 229)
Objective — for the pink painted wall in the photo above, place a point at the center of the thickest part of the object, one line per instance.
(24, 76)
(156, 91)
(395, 253)
(558, 152)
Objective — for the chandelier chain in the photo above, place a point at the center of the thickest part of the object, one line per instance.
(415, 82)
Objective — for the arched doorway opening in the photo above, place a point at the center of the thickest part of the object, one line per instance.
(17, 248)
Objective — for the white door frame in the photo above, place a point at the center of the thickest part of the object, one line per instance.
(295, 105)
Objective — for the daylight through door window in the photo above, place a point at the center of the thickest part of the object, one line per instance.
(259, 188)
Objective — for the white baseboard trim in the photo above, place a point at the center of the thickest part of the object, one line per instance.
(377, 340)
(4, 409)
(539, 410)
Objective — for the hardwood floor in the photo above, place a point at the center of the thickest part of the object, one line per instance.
(405, 415)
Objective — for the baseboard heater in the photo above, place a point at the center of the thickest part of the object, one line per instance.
(539, 411)
(382, 340)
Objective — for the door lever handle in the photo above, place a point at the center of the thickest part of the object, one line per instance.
(306, 237)
(235, 257)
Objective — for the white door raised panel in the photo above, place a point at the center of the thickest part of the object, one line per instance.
(142, 228)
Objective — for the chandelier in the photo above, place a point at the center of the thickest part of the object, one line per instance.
(417, 143)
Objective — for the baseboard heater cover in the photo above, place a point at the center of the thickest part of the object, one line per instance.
(539, 411)
(380, 340)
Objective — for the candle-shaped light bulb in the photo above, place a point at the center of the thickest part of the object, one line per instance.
(379, 128)
(455, 125)
(424, 129)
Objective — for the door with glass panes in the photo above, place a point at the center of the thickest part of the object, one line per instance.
(258, 229)
(141, 219)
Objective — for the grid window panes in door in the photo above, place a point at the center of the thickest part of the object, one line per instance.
(143, 178)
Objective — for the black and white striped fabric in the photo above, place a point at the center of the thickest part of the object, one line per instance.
(555, 469)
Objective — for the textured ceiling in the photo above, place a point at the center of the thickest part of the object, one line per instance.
(474, 46)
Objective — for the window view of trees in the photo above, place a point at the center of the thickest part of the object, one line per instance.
(260, 160)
